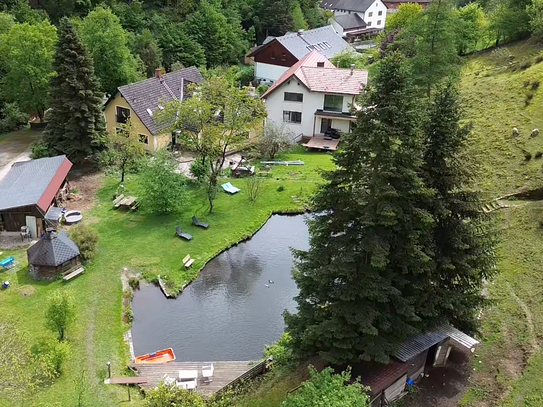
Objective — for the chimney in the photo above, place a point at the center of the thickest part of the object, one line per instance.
(301, 33)
(320, 64)
(158, 73)
(352, 68)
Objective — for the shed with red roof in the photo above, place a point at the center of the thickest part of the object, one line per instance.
(29, 189)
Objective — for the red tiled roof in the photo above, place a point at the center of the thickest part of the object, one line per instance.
(327, 79)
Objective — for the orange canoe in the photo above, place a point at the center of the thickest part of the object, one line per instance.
(160, 356)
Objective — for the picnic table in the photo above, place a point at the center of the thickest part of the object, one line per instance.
(127, 202)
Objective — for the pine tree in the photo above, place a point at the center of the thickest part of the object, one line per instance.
(76, 123)
(464, 242)
(363, 282)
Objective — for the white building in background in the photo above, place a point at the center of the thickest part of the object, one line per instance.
(372, 12)
(314, 95)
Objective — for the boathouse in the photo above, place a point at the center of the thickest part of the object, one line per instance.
(29, 189)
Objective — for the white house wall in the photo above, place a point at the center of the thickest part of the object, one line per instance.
(268, 72)
(313, 101)
(375, 8)
(337, 27)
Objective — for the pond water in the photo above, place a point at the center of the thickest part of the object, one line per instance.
(227, 313)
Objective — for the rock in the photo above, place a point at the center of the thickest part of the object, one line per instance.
(535, 132)
(515, 131)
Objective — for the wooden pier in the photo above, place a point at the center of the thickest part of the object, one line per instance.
(225, 373)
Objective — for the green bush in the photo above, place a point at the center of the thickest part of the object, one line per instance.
(52, 354)
(165, 395)
(134, 283)
(261, 89)
(280, 188)
(199, 169)
(86, 238)
(281, 351)
(12, 118)
(39, 150)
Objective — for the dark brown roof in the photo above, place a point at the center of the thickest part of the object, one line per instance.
(378, 377)
(52, 250)
(153, 94)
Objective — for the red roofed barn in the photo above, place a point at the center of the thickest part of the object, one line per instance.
(28, 190)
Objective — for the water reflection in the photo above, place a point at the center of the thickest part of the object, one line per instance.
(227, 313)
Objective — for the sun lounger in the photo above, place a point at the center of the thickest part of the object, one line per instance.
(182, 234)
(7, 263)
(228, 187)
(196, 222)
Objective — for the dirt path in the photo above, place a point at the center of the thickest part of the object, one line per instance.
(529, 320)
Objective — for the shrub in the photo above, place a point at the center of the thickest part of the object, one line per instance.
(539, 154)
(254, 187)
(274, 139)
(12, 118)
(51, 354)
(162, 190)
(199, 170)
(165, 395)
(39, 150)
(128, 316)
(86, 238)
(525, 65)
(134, 283)
(280, 188)
(281, 351)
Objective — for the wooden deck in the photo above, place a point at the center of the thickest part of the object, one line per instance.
(225, 373)
(319, 143)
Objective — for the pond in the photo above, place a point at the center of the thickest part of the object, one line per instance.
(231, 310)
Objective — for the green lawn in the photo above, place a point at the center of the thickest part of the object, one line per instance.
(509, 366)
(147, 243)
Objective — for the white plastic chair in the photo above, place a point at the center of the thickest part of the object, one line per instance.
(207, 373)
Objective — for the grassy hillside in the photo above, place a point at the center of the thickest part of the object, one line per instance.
(500, 93)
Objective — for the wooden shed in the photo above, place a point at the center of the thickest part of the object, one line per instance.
(55, 253)
(29, 189)
(388, 383)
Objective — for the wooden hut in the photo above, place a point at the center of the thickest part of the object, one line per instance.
(29, 189)
(55, 253)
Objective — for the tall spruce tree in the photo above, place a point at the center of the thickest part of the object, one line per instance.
(76, 123)
(463, 239)
(363, 282)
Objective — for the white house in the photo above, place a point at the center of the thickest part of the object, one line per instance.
(314, 95)
(277, 54)
(372, 12)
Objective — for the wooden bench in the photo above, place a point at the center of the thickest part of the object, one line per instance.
(72, 274)
(187, 261)
(135, 206)
(117, 201)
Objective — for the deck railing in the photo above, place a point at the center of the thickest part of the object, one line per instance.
(256, 370)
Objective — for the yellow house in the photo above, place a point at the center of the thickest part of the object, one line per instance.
(141, 102)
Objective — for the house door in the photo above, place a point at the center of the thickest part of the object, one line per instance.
(325, 125)
(31, 223)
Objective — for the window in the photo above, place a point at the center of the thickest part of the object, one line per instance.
(283, 57)
(325, 125)
(123, 114)
(370, 14)
(294, 97)
(272, 56)
(144, 139)
(292, 117)
(380, 13)
(378, 22)
(333, 103)
(368, 23)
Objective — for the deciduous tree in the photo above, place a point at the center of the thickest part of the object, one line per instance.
(147, 48)
(76, 122)
(125, 149)
(218, 117)
(60, 313)
(107, 43)
(26, 57)
(274, 138)
(363, 281)
(298, 18)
